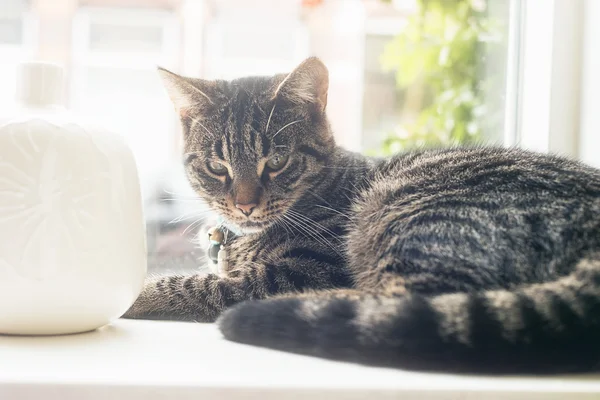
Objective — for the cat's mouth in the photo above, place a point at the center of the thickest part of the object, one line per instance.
(259, 221)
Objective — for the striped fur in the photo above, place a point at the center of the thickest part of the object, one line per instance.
(478, 259)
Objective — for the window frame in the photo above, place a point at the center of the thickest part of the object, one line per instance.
(589, 135)
(543, 100)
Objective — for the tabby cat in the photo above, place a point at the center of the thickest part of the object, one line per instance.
(474, 259)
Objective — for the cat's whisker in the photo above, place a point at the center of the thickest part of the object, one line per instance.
(190, 200)
(283, 223)
(313, 235)
(196, 223)
(301, 225)
(190, 214)
(186, 218)
(318, 196)
(345, 168)
(325, 201)
(316, 231)
(170, 192)
(297, 224)
(285, 126)
(316, 224)
(269, 120)
(334, 210)
(356, 190)
(196, 121)
(177, 196)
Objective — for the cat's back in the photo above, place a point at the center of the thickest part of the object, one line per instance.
(481, 171)
(477, 199)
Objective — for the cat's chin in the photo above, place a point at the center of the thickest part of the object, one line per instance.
(251, 230)
(247, 228)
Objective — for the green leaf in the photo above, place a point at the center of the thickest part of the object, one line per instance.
(442, 46)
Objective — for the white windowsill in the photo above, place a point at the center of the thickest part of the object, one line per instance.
(168, 360)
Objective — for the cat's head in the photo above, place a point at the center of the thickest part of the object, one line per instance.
(254, 145)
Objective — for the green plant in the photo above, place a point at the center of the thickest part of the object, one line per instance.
(443, 51)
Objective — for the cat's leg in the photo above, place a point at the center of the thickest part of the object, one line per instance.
(203, 298)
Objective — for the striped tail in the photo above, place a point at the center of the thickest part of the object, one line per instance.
(550, 327)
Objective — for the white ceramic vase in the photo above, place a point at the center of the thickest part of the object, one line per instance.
(72, 232)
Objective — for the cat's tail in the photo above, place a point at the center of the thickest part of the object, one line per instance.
(542, 328)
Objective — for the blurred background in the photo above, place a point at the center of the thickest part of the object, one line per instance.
(403, 73)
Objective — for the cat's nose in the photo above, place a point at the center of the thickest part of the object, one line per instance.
(246, 208)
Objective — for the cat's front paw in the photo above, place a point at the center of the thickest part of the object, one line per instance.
(136, 311)
(175, 298)
(131, 313)
(144, 307)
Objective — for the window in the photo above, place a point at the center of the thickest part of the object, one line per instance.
(437, 72)
(403, 73)
(17, 42)
(114, 57)
(11, 31)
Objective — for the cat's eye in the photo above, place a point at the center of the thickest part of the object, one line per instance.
(277, 162)
(217, 168)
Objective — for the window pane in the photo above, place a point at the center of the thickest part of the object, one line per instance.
(252, 42)
(114, 37)
(13, 48)
(11, 31)
(440, 79)
(382, 100)
(403, 73)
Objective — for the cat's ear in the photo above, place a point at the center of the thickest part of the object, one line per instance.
(307, 84)
(189, 95)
